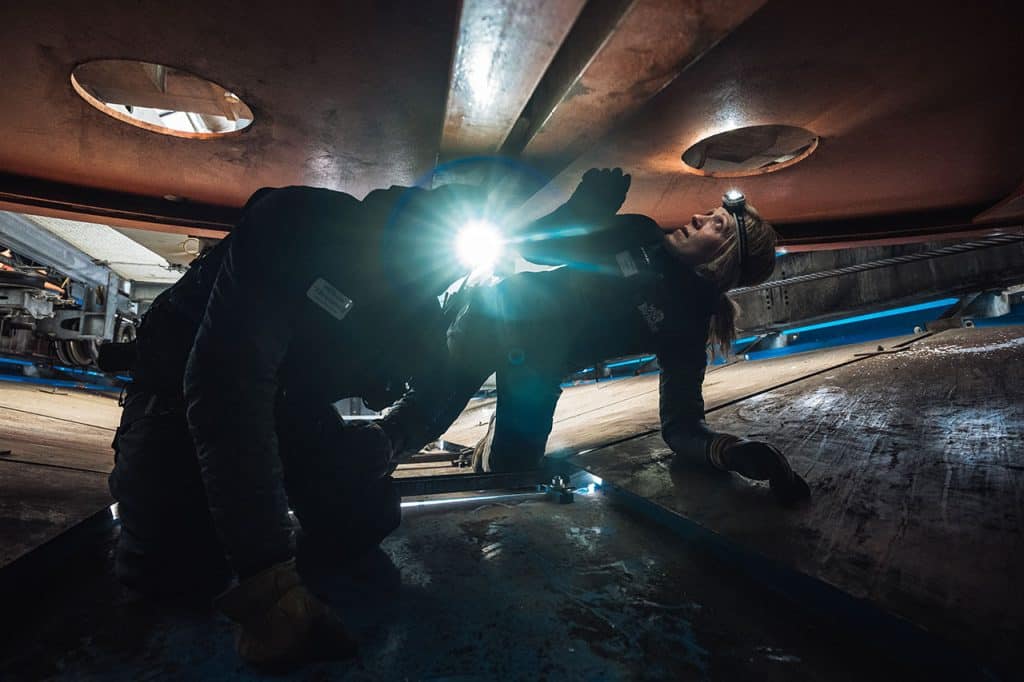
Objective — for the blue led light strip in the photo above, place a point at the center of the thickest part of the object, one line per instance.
(58, 383)
(634, 361)
(16, 361)
(942, 303)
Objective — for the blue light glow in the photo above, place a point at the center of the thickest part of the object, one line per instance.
(634, 361)
(16, 361)
(79, 370)
(57, 383)
(552, 234)
(942, 303)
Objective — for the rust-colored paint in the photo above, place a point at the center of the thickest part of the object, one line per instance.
(503, 49)
(1010, 207)
(917, 108)
(650, 44)
(346, 95)
(910, 118)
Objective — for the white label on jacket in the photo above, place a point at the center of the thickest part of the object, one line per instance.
(330, 299)
(626, 263)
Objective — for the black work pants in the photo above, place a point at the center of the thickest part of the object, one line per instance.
(501, 331)
(168, 544)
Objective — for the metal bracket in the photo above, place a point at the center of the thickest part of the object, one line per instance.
(559, 490)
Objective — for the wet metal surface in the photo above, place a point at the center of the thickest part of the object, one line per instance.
(914, 459)
(499, 591)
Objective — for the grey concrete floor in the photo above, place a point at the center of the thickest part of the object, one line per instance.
(520, 590)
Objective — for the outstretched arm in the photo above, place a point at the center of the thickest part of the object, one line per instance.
(566, 234)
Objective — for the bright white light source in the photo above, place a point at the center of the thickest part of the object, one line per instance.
(734, 195)
(478, 244)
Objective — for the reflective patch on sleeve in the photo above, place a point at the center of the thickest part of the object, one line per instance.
(330, 299)
(626, 263)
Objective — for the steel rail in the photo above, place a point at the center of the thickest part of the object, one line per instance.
(952, 250)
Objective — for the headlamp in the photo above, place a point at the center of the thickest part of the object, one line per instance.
(478, 244)
(735, 203)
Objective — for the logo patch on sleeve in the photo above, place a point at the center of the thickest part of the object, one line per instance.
(330, 299)
(652, 316)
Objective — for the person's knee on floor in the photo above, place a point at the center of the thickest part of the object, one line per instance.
(344, 512)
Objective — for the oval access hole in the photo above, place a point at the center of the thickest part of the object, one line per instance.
(750, 151)
(161, 98)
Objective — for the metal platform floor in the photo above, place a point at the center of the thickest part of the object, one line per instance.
(904, 564)
(54, 459)
(915, 459)
(508, 590)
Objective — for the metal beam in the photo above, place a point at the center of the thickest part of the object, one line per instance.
(31, 241)
(75, 202)
(503, 49)
(620, 54)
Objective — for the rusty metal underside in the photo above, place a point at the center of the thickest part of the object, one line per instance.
(917, 111)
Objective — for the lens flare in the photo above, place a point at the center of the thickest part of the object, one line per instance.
(478, 244)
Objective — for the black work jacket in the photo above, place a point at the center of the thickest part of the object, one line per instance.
(302, 302)
(622, 294)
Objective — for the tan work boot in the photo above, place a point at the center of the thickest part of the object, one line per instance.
(482, 451)
(280, 621)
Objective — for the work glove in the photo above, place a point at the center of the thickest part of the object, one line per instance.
(599, 195)
(761, 462)
(281, 622)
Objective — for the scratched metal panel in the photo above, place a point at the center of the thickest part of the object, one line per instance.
(916, 465)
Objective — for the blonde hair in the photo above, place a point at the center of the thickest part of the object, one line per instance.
(727, 273)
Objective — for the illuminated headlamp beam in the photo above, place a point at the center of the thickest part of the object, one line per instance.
(478, 244)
